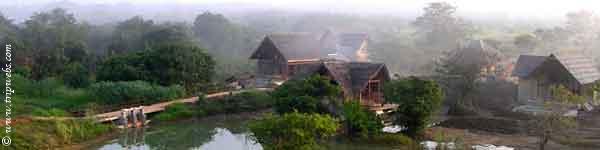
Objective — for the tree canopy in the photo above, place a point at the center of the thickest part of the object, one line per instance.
(418, 100)
(440, 26)
(293, 131)
(305, 95)
(168, 64)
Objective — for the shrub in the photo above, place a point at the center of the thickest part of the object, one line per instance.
(360, 122)
(175, 111)
(303, 104)
(43, 88)
(76, 75)
(128, 91)
(293, 131)
(181, 64)
(391, 139)
(242, 102)
(305, 95)
(418, 100)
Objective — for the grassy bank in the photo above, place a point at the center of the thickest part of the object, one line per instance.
(53, 134)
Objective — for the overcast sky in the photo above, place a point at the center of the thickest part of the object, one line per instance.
(546, 8)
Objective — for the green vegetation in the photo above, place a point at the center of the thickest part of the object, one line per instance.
(418, 100)
(76, 75)
(442, 137)
(122, 92)
(392, 139)
(45, 94)
(178, 110)
(53, 134)
(242, 102)
(53, 112)
(553, 124)
(293, 131)
(167, 64)
(360, 122)
(305, 95)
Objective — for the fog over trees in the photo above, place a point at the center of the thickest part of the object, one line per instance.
(407, 42)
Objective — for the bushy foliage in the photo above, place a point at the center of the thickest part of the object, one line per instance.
(392, 139)
(164, 64)
(121, 68)
(128, 91)
(76, 75)
(418, 100)
(305, 95)
(360, 122)
(177, 110)
(242, 102)
(36, 89)
(293, 131)
(304, 104)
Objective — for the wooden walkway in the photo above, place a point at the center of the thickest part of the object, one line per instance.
(110, 116)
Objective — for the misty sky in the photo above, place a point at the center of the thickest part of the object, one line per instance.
(511, 8)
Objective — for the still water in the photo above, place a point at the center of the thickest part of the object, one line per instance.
(211, 133)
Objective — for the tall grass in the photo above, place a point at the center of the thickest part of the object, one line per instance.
(53, 134)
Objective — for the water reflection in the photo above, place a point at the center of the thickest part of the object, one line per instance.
(225, 134)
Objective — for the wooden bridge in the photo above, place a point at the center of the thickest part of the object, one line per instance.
(114, 115)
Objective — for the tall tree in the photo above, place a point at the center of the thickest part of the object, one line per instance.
(128, 35)
(440, 26)
(6, 27)
(460, 70)
(47, 35)
(228, 42)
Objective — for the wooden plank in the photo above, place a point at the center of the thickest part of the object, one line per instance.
(109, 116)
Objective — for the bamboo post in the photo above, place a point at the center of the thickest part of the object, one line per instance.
(123, 118)
(134, 117)
(142, 115)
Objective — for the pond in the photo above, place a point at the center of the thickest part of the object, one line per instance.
(211, 133)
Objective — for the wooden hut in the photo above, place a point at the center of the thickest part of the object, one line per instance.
(538, 73)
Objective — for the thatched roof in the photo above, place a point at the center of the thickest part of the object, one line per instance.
(293, 46)
(580, 67)
(300, 45)
(354, 76)
(361, 73)
(526, 64)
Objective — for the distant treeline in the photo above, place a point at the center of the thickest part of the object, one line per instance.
(407, 46)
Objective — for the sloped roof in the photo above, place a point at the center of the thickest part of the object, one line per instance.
(362, 72)
(353, 76)
(526, 64)
(294, 46)
(341, 73)
(476, 51)
(301, 45)
(581, 67)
